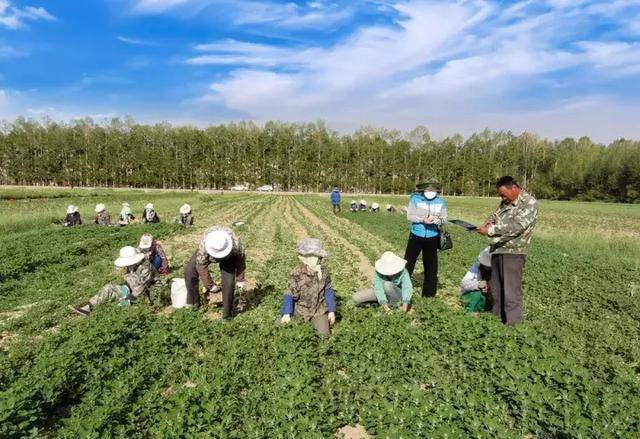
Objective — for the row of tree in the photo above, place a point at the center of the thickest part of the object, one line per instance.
(311, 157)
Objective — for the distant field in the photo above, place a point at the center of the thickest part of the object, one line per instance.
(571, 370)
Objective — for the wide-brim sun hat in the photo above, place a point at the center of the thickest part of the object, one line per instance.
(312, 247)
(390, 264)
(375, 206)
(128, 256)
(72, 209)
(100, 208)
(218, 244)
(388, 206)
(363, 202)
(485, 257)
(146, 241)
(149, 206)
(185, 209)
(353, 202)
(125, 204)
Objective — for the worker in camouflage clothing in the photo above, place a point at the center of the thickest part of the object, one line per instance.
(310, 295)
(186, 217)
(221, 246)
(139, 277)
(510, 229)
(102, 216)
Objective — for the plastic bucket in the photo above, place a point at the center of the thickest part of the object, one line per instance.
(179, 293)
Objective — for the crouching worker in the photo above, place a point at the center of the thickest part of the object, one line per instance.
(391, 209)
(310, 295)
(475, 295)
(126, 215)
(73, 217)
(354, 206)
(219, 245)
(154, 253)
(139, 276)
(186, 217)
(149, 214)
(102, 216)
(375, 208)
(391, 284)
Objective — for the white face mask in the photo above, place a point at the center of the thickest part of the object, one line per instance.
(312, 262)
(430, 195)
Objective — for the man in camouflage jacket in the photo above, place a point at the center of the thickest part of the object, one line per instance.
(102, 216)
(510, 229)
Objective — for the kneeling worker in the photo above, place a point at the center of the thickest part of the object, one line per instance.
(391, 284)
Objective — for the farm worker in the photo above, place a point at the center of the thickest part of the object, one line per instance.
(154, 253)
(474, 286)
(126, 215)
(219, 245)
(73, 217)
(186, 217)
(510, 229)
(363, 205)
(102, 216)
(149, 214)
(354, 206)
(310, 295)
(375, 207)
(139, 276)
(390, 209)
(335, 199)
(427, 211)
(391, 284)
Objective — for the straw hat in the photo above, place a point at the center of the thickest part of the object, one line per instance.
(311, 247)
(375, 206)
(128, 256)
(218, 244)
(185, 209)
(100, 208)
(146, 241)
(149, 206)
(72, 209)
(485, 257)
(390, 264)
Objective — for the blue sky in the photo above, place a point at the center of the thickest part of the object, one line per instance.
(555, 67)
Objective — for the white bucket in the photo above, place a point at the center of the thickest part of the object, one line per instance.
(179, 293)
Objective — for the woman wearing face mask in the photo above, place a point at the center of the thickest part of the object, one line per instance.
(427, 211)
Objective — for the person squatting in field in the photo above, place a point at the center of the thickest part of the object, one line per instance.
(335, 200)
(391, 284)
(126, 215)
(185, 218)
(390, 209)
(475, 290)
(363, 205)
(154, 253)
(221, 246)
(510, 229)
(310, 295)
(375, 208)
(139, 278)
(353, 206)
(427, 212)
(102, 217)
(73, 217)
(149, 214)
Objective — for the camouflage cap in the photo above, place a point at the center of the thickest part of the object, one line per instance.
(311, 247)
(428, 186)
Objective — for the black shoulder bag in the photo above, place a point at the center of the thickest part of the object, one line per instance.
(445, 242)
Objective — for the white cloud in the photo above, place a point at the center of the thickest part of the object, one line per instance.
(136, 41)
(14, 17)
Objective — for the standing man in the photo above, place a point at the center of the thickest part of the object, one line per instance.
(335, 199)
(509, 230)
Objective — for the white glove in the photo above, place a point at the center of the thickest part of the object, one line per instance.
(240, 286)
(332, 318)
(285, 319)
(215, 289)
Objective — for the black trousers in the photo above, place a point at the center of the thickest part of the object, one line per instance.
(228, 278)
(429, 249)
(336, 208)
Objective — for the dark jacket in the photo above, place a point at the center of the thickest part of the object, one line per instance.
(72, 219)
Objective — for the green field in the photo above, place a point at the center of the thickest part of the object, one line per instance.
(571, 370)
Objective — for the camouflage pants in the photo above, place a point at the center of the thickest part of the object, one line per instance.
(107, 293)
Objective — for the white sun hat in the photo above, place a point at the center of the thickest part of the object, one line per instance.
(185, 209)
(388, 206)
(218, 244)
(375, 206)
(72, 209)
(353, 202)
(485, 257)
(100, 208)
(128, 256)
(125, 205)
(390, 264)
(146, 241)
(149, 206)
(363, 202)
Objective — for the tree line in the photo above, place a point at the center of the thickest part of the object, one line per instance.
(310, 157)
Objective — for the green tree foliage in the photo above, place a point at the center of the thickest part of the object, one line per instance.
(310, 157)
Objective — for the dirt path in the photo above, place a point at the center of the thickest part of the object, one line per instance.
(290, 222)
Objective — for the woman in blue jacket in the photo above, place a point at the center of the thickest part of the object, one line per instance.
(427, 211)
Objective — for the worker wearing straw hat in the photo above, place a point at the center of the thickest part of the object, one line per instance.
(73, 217)
(391, 284)
(139, 276)
(126, 215)
(354, 206)
(390, 209)
(149, 214)
(102, 217)
(375, 207)
(186, 216)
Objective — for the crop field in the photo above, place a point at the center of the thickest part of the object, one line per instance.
(571, 370)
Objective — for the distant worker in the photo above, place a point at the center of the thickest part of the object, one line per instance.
(149, 214)
(126, 215)
(510, 229)
(375, 208)
(335, 200)
(391, 284)
(154, 253)
(354, 206)
(427, 212)
(310, 295)
(73, 217)
(363, 205)
(139, 277)
(391, 209)
(185, 217)
(475, 293)
(102, 216)
(221, 246)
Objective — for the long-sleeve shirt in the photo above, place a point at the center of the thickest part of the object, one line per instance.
(335, 197)
(401, 280)
(419, 208)
(185, 220)
(309, 295)
(72, 219)
(150, 216)
(103, 218)
(140, 278)
(513, 225)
